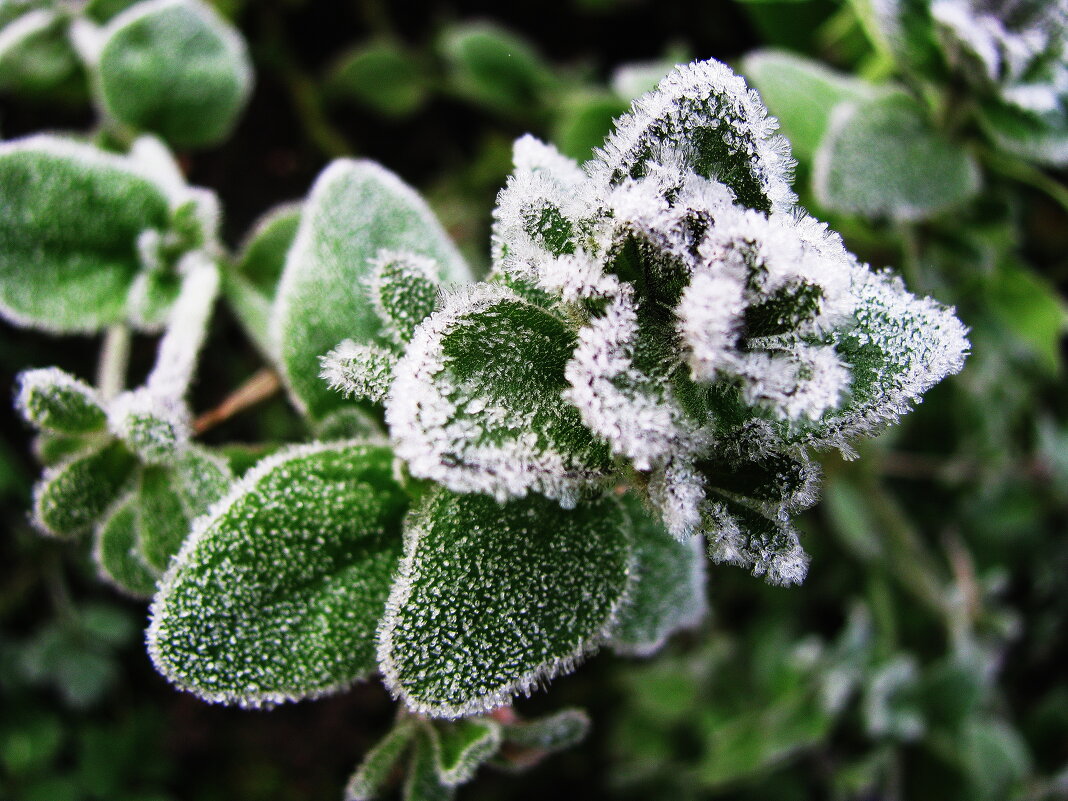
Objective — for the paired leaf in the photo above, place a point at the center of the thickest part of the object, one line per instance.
(554, 732)
(70, 217)
(117, 554)
(74, 495)
(462, 746)
(55, 401)
(277, 594)
(322, 298)
(881, 158)
(476, 404)
(492, 600)
(175, 67)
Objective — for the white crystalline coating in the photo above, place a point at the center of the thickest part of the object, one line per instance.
(681, 104)
(803, 382)
(440, 427)
(44, 391)
(678, 491)
(475, 752)
(152, 156)
(359, 371)
(782, 562)
(403, 288)
(576, 277)
(155, 426)
(710, 320)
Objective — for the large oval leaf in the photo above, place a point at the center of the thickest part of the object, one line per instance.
(278, 592)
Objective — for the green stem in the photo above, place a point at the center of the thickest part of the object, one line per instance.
(114, 358)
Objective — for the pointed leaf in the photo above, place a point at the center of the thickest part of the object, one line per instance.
(363, 372)
(68, 270)
(423, 783)
(56, 401)
(382, 76)
(669, 586)
(277, 593)
(881, 158)
(461, 747)
(356, 209)
(553, 732)
(71, 497)
(374, 771)
(404, 291)
(476, 404)
(117, 555)
(175, 67)
(153, 427)
(493, 600)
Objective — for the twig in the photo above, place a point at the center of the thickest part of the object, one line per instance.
(114, 358)
(258, 388)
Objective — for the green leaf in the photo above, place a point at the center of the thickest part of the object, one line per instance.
(117, 554)
(705, 118)
(174, 67)
(250, 287)
(382, 76)
(278, 592)
(1032, 309)
(462, 746)
(69, 270)
(423, 783)
(554, 732)
(363, 372)
(55, 401)
(404, 291)
(669, 586)
(584, 122)
(154, 428)
(476, 404)
(356, 210)
(493, 600)
(36, 57)
(495, 67)
(101, 11)
(1039, 138)
(377, 765)
(71, 497)
(349, 422)
(802, 93)
(881, 158)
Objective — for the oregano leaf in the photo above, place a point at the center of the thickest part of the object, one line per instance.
(55, 401)
(356, 210)
(277, 592)
(492, 600)
(70, 217)
(423, 782)
(117, 555)
(404, 292)
(162, 524)
(669, 586)
(72, 496)
(153, 427)
(367, 782)
(363, 372)
(549, 733)
(461, 747)
(36, 57)
(476, 404)
(381, 75)
(175, 67)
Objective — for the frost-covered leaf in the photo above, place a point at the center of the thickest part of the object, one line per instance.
(549, 733)
(115, 549)
(55, 401)
(36, 57)
(669, 585)
(175, 67)
(377, 765)
(70, 217)
(493, 600)
(277, 593)
(72, 496)
(462, 746)
(704, 118)
(349, 422)
(381, 75)
(363, 372)
(881, 158)
(404, 292)
(1035, 137)
(801, 93)
(51, 449)
(477, 406)
(250, 287)
(356, 210)
(423, 782)
(152, 427)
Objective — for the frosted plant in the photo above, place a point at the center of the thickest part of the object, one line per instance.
(663, 341)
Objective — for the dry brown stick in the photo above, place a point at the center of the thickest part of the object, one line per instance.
(259, 387)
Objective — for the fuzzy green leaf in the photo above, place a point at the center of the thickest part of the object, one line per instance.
(363, 372)
(669, 585)
(55, 401)
(423, 782)
(404, 291)
(277, 593)
(70, 216)
(356, 210)
(476, 403)
(553, 732)
(493, 600)
(117, 555)
(174, 67)
(461, 747)
(377, 765)
(802, 93)
(36, 57)
(71, 497)
(881, 158)
(382, 76)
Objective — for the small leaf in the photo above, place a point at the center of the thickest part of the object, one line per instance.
(802, 93)
(585, 121)
(363, 372)
(1032, 309)
(155, 428)
(382, 76)
(461, 747)
(117, 555)
(36, 57)
(69, 270)
(554, 732)
(349, 422)
(404, 291)
(493, 600)
(56, 401)
(356, 209)
(277, 593)
(161, 521)
(669, 586)
(71, 497)
(476, 404)
(374, 771)
(174, 67)
(881, 158)
(423, 783)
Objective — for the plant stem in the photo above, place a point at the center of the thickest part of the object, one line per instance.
(259, 387)
(114, 359)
